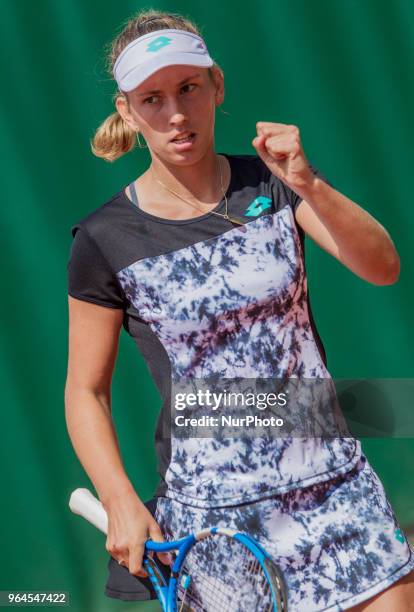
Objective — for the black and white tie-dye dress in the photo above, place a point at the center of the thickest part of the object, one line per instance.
(206, 298)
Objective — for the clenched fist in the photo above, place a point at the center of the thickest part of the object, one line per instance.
(280, 148)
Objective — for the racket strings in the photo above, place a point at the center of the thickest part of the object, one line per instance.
(224, 575)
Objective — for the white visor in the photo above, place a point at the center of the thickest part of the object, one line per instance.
(147, 54)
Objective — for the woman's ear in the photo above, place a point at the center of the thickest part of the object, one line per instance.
(218, 78)
(121, 105)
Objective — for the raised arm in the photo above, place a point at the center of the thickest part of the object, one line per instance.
(336, 223)
(349, 233)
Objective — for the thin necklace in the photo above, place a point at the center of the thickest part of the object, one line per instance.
(212, 212)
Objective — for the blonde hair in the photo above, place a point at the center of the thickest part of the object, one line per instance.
(114, 136)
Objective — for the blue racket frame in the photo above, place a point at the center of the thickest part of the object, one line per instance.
(166, 593)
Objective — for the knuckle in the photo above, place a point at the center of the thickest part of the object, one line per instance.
(158, 537)
(136, 566)
(110, 547)
(119, 547)
(155, 529)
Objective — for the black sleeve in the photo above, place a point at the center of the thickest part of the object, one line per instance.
(282, 193)
(90, 277)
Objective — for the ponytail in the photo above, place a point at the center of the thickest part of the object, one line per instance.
(113, 138)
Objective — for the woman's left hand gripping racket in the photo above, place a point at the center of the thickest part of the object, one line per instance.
(214, 570)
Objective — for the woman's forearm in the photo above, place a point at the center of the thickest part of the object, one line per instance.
(365, 246)
(94, 439)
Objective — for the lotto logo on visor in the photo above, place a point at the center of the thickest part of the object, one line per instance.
(151, 52)
(159, 43)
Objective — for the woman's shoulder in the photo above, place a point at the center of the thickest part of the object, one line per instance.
(249, 167)
(252, 164)
(99, 219)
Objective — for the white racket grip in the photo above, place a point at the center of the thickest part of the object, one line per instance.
(85, 504)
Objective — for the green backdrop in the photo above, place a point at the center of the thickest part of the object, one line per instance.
(339, 69)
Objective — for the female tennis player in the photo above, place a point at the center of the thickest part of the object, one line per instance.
(201, 260)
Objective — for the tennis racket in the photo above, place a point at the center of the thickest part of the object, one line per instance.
(216, 569)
